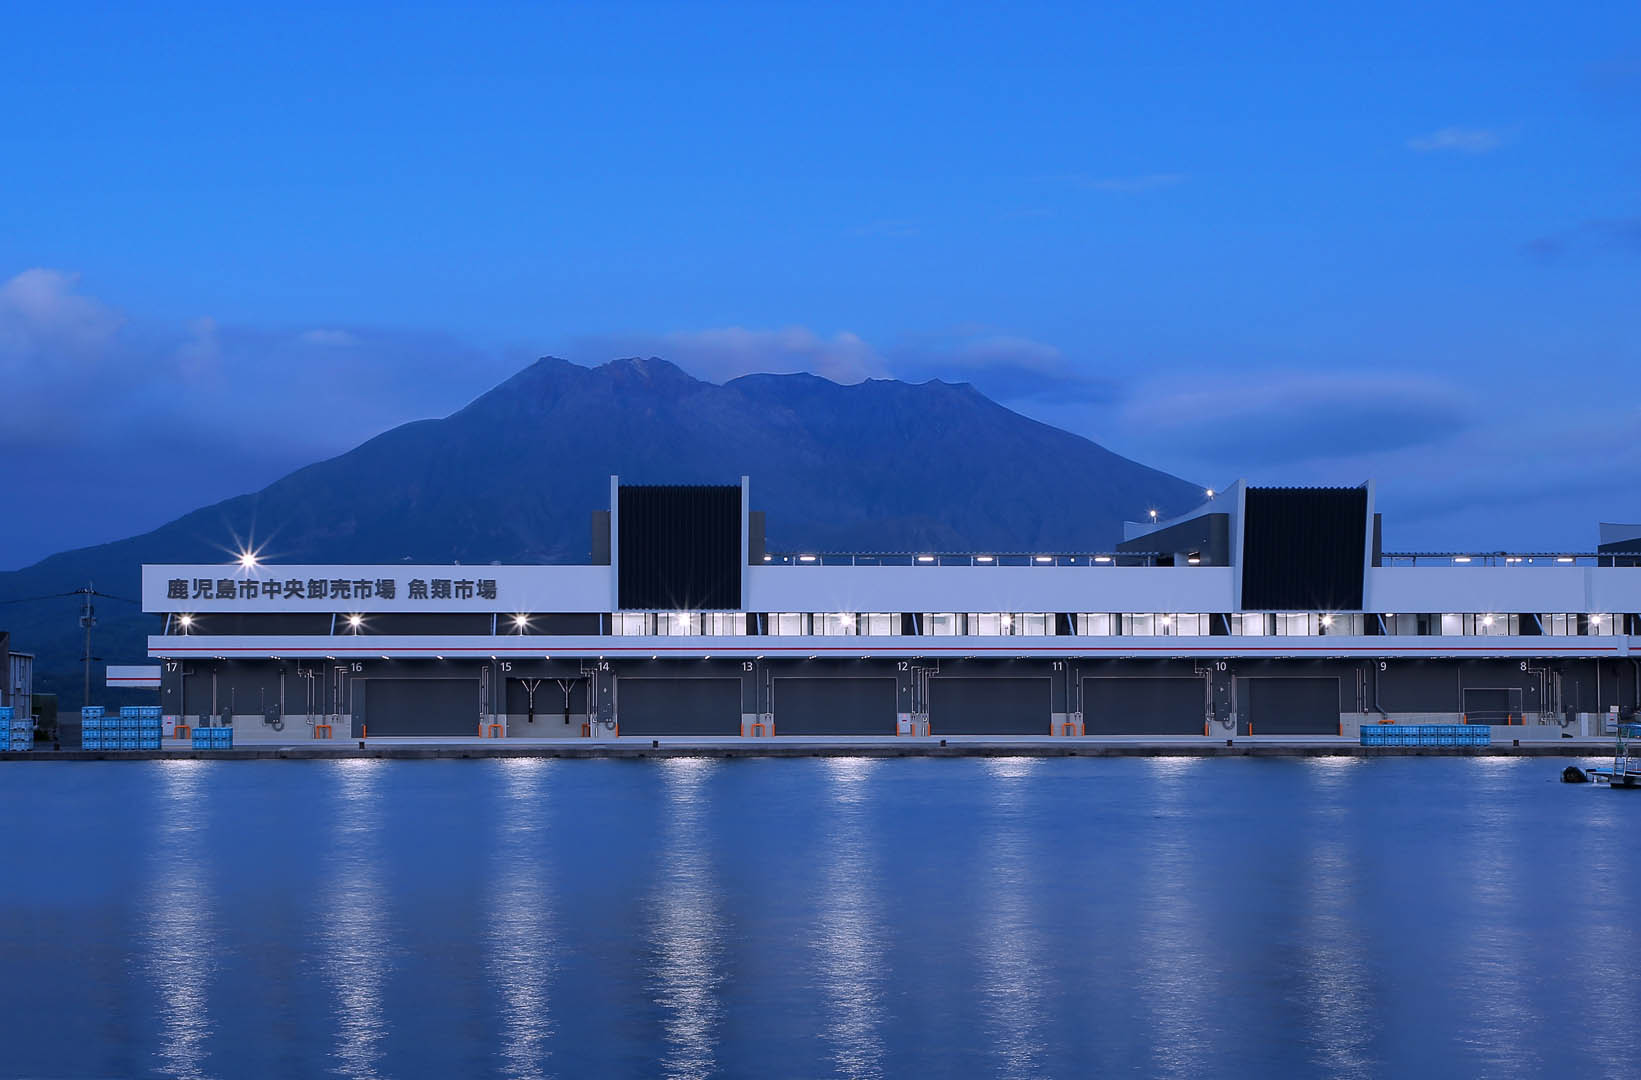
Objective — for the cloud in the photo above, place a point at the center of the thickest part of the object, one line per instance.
(891, 229)
(1458, 140)
(1009, 368)
(40, 312)
(1281, 418)
(724, 353)
(1006, 367)
(1134, 185)
(339, 339)
(1598, 234)
(102, 405)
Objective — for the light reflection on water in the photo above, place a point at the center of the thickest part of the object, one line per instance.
(357, 941)
(850, 935)
(1172, 925)
(1334, 973)
(1012, 963)
(1073, 917)
(520, 926)
(1605, 860)
(685, 942)
(180, 922)
(1500, 990)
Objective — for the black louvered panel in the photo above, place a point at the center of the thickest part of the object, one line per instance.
(680, 547)
(1303, 549)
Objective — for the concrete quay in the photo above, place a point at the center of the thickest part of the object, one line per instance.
(635, 747)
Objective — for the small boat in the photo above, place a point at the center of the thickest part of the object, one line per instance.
(1625, 770)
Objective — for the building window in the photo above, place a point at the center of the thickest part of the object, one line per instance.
(1139, 625)
(632, 624)
(1192, 625)
(1251, 624)
(1294, 623)
(1094, 624)
(727, 624)
(789, 623)
(880, 624)
(942, 624)
(1032, 624)
(834, 624)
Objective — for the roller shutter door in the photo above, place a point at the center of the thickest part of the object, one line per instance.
(421, 706)
(976, 706)
(1144, 706)
(834, 706)
(1294, 706)
(678, 706)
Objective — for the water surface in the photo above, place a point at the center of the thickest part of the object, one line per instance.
(1006, 917)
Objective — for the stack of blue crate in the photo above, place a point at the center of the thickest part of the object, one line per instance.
(213, 738)
(1426, 735)
(15, 734)
(91, 729)
(142, 723)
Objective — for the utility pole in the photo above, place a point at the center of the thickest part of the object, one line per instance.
(88, 619)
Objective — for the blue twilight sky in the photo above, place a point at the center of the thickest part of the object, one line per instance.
(1292, 242)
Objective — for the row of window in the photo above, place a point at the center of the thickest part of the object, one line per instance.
(890, 624)
(1109, 624)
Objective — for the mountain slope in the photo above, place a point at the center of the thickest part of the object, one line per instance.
(882, 465)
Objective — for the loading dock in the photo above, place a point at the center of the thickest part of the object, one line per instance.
(989, 706)
(705, 706)
(838, 706)
(420, 706)
(1281, 705)
(1144, 705)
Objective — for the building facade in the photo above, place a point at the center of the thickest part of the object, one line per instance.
(1265, 611)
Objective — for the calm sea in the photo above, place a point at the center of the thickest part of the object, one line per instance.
(818, 918)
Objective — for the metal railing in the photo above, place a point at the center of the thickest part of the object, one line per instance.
(1502, 558)
(1098, 558)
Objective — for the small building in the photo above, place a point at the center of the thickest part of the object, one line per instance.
(18, 691)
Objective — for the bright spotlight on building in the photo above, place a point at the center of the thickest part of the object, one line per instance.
(248, 560)
(1153, 515)
(186, 621)
(1487, 620)
(1210, 493)
(355, 621)
(1327, 620)
(521, 621)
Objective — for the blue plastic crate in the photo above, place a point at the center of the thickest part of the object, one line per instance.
(91, 742)
(148, 744)
(91, 710)
(7, 712)
(151, 711)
